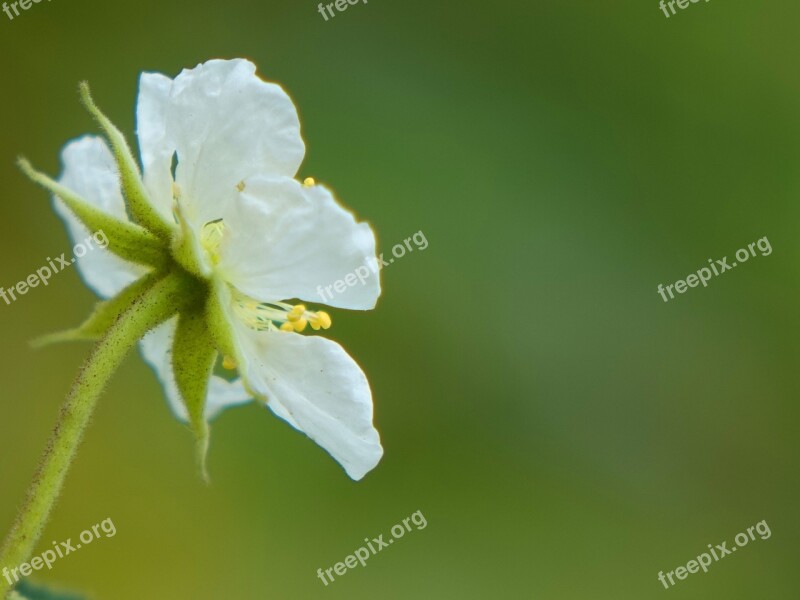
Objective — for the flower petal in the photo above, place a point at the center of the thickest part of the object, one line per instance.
(155, 148)
(156, 348)
(90, 171)
(322, 391)
(285, 241)
(224, 123)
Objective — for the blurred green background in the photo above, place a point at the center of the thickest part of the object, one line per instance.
(565, 432)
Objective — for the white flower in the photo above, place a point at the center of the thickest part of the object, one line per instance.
(220, 149)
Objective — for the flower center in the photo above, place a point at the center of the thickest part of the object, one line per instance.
(258, 315)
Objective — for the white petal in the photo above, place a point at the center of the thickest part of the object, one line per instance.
(285, 241)
(90, 172)
(224, 123)
(156, 349)
(155, 148)
(313, 384)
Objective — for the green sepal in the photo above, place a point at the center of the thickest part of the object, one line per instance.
(218, 323)
(221, 329)
(186, 247)
(104, 316)
(139, 206)
(193, 356)
(127, 240)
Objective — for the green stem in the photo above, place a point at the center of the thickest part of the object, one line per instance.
(152, 307)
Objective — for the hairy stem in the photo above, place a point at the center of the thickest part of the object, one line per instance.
(152, 307)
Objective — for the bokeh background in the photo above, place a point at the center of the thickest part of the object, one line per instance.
(565, 432)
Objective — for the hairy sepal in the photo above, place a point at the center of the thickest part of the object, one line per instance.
(193, 356)
(104, 316)
(127, 240)
(139, 205)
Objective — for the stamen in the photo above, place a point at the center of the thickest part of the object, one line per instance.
(296, 313)
(272, 316)
(211, 238)
(319, 320)
(309, 182)
(229, 363)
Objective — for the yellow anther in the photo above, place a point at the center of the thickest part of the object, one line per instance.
(324, 319)
(229, 363)
(300, 325)
(287, 327)
(240, 186)
(309, 182)
(296, 313)
(320, 320)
